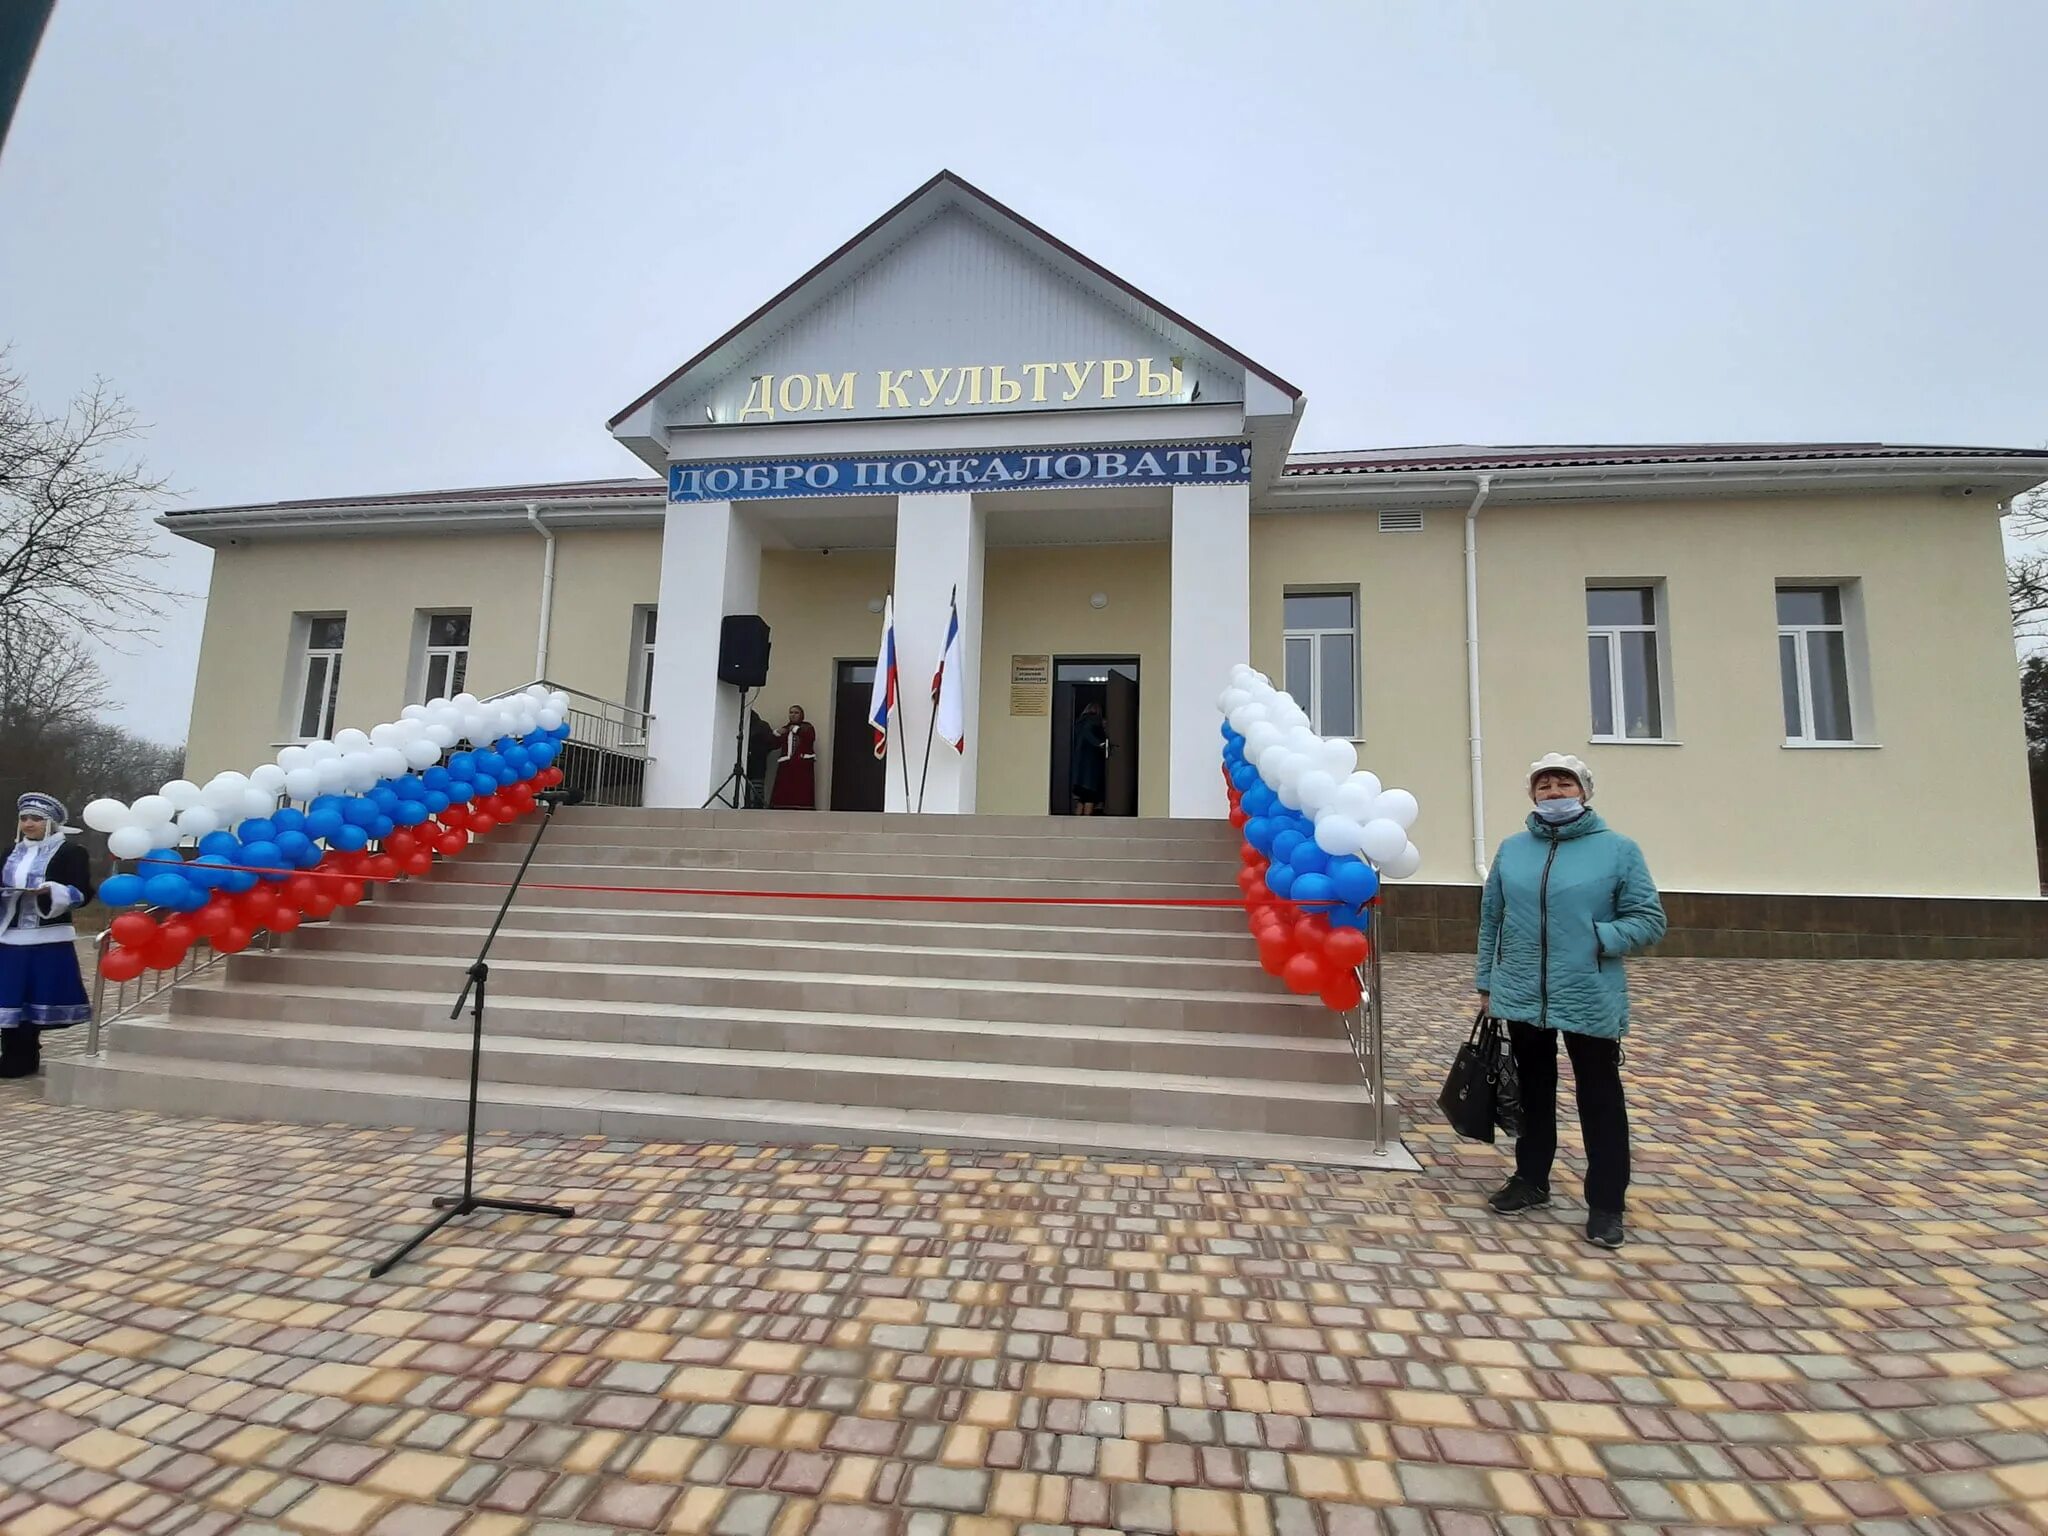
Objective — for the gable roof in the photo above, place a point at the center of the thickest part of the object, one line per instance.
(942, 188)
(1456, 457)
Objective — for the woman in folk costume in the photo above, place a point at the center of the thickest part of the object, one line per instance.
(796, 780)
(44, 881)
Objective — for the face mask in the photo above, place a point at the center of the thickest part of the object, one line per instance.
(1558, 811)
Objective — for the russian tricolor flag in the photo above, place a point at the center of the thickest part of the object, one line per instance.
(882, 702)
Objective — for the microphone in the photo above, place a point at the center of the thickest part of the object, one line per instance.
(565, 796)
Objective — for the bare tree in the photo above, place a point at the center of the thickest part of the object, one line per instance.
(74, 528)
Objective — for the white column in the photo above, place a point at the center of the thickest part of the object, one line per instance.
(710, 566)
(939, 541)
(1211, 633)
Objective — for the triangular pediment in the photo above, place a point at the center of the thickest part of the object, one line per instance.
(951, 304)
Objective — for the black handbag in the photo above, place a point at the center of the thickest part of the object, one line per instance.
(1471, 1097)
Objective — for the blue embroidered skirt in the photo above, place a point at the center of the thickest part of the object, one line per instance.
(40, 987)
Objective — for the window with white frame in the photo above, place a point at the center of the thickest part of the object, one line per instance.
(445, 666)
(1813, 664)
(319, 674)
(1624, 669)
(1321, 655)
(646, 693)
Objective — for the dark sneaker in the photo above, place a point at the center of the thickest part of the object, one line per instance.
(1603, 1229)
(1515, 1197)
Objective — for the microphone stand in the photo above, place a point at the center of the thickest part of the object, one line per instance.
(452, 1206)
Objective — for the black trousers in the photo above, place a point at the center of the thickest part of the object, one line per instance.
(1603, 1117)
(21, 1051)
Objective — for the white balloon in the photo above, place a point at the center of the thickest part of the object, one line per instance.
(150, 811)
(1337, 835)
(413, 712)
(1356, 797)
(1262, 734)
(257, 802)
(466, 700)
(384, 736)
(322, 751)
(1247, 718)
(129, 842)
(182, 793)
(1288, 796)
(1404, 863)
(351, 740)
(390, 762)
(1381, 840)
(105, 815)
(422, 754)
(1313, 788)
(444, 736)
(333, 775)
(198, 821)
(1339, 758)
(1303, 740)
(559, 700)
(551, 719)
(1269, 759)
(289, 758)
(302, 783)
(269, 778)
(476, 726)
(1399, 807)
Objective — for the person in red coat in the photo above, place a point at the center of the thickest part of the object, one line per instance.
(796, 781)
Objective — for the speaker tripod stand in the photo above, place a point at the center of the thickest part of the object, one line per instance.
(733, 792)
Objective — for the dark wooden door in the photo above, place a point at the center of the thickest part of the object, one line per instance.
(857, 774)
(1120, 715)
(1060, 800)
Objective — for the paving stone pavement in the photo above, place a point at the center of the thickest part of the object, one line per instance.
(1832, 1313)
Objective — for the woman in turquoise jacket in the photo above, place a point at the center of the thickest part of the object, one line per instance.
(1565, 901)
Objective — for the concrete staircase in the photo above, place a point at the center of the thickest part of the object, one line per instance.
(625, 1011)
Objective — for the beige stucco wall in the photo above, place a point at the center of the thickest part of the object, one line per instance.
(1037, 602)
(248, 672)
(816, 606)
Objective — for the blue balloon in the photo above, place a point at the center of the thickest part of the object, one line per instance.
(320, 803)
(121, 890)
(223, 845)
(1285, 842)
(384, 798)
(1259, 800)
(313, 855)
(1312, 887)
(410, 813)
(437, 777)
(460, 764)
(206, 871)
(238, 881)
(1260, 833)
(461, 791)
(262, 856)
(1345, 916)
(1244, 775)
(359, 812)
(324, 824)
(436, 802)
(1280, 879)
(165, 890)
(288, 820)
(382, 828)
(1308, 858)
(1357, 882)
(351, 839)
(256, 830)
(292, 846)
(159, 861)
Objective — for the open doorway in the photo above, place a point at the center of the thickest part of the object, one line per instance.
(1109, 684)
(856, 771)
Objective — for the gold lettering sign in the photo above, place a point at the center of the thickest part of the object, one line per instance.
(1096, 381)
(1030, 685)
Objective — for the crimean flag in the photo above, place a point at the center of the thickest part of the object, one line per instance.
(948, 709)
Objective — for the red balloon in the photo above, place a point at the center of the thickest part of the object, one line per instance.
(482, 821)
(1343, 993)
(1249, 856)
(234, 938)
(212, 918)
(1274, 953)
(1311, 934)
(283, 918)
(452, 842)
(383, 867)
(300, 889)
(178, 931)
(1345, 947)
(455, 816)
(122, 963)
(548, 778)
(348, 892)
(161, 954)
(1246, 879)
(1302, 974)
(400, 843)
(1237, 816)
(419, 862)
(132, 928)
(319, 905)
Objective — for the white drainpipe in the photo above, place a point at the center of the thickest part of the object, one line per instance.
(1472, 674)
(547, 591)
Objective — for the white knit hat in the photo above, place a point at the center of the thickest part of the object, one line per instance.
(1563, 762)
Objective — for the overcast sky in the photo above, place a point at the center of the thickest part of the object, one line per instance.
(327, 249)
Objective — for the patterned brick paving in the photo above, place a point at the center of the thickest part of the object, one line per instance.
(1833, 1314)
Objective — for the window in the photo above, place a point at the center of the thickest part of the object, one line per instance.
(646, 694)
(1322, 658)
(319, 675)
(1622, 663)
(1813, 664)
(447, 656)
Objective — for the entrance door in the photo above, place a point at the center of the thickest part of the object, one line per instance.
(857, 774)
(1109, 683)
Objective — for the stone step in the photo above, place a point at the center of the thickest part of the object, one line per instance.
(1112, 1046)
(271, 1092)
(442, 889)
(990, 884)
(908, 953)
(847, 923)
(1331, 1109)
(1221, 1007)
(877, 837)
(796, 863)
(1080, 829)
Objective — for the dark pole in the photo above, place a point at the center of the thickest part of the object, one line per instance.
(21, 29)
(473, 987)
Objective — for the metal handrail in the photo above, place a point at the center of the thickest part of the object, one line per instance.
(1365, 1028)
(141, 986)
(606, 754)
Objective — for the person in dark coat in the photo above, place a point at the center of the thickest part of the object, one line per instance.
(1089, 769)
(44, 880)
(796, 780)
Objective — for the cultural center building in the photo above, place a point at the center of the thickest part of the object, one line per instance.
(1788, 664)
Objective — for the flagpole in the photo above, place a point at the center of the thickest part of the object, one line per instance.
(932, 724)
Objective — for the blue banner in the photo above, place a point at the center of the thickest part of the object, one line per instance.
(1036, 469)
